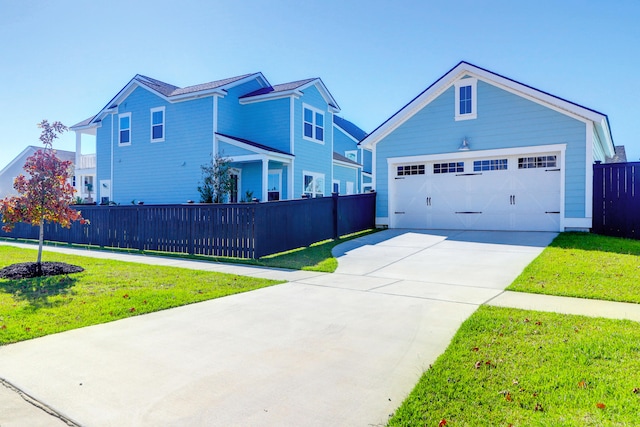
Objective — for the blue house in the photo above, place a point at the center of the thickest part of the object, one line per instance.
(284, 141)
(479, 151)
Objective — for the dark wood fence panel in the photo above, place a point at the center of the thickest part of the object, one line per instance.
(616, 199)
(243, 230)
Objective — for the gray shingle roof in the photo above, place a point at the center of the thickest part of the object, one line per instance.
(169, 90)
(254, 144)
(284, 87)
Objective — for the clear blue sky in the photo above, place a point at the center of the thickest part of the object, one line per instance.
(65, 60)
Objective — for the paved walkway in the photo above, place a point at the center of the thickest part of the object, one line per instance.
(323, 349)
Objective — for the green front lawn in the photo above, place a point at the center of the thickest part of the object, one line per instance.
(586, 266)
(107, 290)
(508, 367)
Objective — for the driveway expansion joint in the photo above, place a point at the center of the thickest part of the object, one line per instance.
(38, 404)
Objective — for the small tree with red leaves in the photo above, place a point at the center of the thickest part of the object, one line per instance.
(45, 193)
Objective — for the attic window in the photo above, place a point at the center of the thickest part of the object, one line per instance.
(465, 99)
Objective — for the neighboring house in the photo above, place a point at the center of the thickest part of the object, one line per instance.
(16, 167)
(479, 151)
(152, 139)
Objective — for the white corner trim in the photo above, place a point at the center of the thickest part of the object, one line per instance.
(588, 196)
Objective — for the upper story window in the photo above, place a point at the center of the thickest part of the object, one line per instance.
(124, 123)
(313, 124)
(157, 124)
(466, 99)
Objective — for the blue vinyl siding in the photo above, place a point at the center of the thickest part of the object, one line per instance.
(505, 120)
(103, 151)
(312, 156)
(344, 174)
(162, 172)
(230, 111)
(267, 123)
(229, 150)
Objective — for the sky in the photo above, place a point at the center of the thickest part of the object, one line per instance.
(65, 60)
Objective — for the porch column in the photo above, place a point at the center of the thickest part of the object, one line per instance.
(265, 179)
(290, 195)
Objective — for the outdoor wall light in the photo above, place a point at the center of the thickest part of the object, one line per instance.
(464, 146)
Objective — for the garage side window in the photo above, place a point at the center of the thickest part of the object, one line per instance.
(448, 167)
(410, 170)
(490, 165)
(537, 162)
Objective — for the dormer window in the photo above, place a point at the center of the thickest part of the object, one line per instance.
(466, 99)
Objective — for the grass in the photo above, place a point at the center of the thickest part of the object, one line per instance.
(508, 367)
(586, 266)
(107, 290)
(316, 257)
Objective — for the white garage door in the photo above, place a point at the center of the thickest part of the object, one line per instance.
(498, 193)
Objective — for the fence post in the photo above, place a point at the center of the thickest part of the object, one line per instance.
(334, 196)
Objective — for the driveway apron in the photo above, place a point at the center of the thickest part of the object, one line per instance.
(340, 349)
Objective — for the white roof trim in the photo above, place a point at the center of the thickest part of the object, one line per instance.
(345, 164)
(462, 69)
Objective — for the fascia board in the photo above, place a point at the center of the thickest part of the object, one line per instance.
(271, 96)
(324, 92)
(23, 155)
(345, 164)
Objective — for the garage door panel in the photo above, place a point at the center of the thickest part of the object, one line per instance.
(495, 197)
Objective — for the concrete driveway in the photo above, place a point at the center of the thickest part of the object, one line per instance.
(340, 349)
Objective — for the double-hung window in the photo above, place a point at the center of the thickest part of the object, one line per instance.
(466, 99)
(312, 124)
(124, 126)
(313, 184)
(157, 124)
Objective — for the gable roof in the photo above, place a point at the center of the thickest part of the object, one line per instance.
(169, 92)
(600, 120)
(31, 149)
(348, 127)
(340, 158)
(292, 88)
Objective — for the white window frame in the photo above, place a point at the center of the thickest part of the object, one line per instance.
(352, 153)
(473, 82)
(277, 172)
(314, 176)
(120, 117)
(351, 188)
(164, 119)
(314, 125)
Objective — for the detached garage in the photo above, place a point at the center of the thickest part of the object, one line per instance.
(478, 151)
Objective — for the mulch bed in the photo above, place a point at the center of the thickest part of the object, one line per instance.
(27, 270)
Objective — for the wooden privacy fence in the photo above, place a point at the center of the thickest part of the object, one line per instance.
(616, 199)
(243, 230)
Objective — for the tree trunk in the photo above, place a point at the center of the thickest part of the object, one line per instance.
(40, 242)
